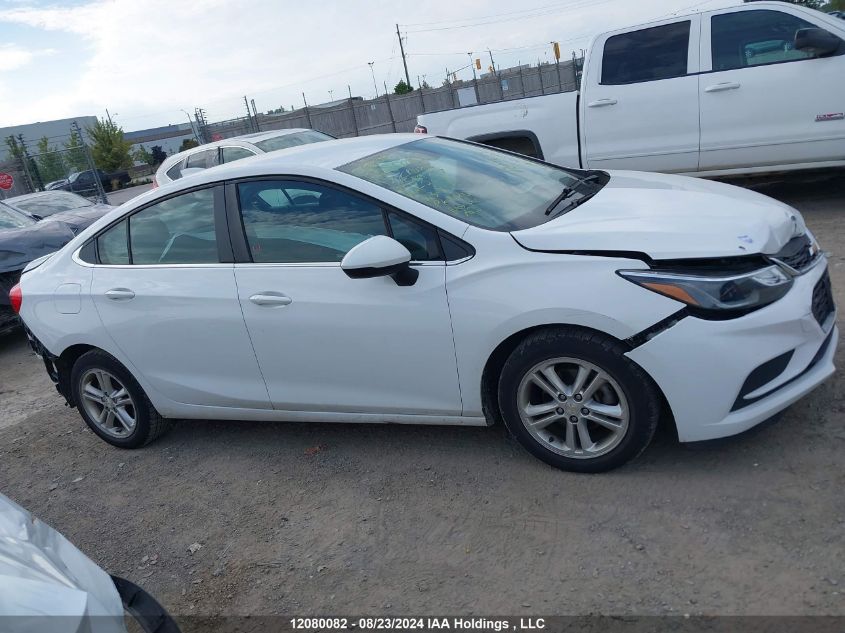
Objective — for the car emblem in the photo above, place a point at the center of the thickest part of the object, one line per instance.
(745, 238)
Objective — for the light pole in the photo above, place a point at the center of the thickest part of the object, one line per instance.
(331, 95)
(375, 85)
(191, 123)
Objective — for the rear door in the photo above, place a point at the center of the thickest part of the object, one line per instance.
(164, 287)
(762, 101)
(640, 99)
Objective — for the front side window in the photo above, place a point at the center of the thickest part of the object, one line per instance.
(298, 222)
(292, 140)
(658, 52)
(751, 38)
(476, 184)
(231, 154)
(179, 230)
(420, 239)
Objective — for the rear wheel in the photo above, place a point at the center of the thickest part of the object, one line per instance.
(574, 400)
(112, 403)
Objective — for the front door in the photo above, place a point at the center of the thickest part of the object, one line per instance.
(762, 101)
(640, 99)
(329, 343)
(171, 305)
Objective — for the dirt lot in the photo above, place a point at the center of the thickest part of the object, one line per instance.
(326, 519)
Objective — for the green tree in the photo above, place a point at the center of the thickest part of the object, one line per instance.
(402, 88)
(51, 163)
(75, 156)
(15, 150)
(278, 110)
(188, 143)
(834, 5)
(142, 155)
(108, 147)
(812, 4)
(158, 155)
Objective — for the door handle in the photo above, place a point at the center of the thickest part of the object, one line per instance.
(270, 299)
(120, 294)
(727, 85)
(601, 102)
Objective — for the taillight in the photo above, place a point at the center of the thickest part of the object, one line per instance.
(420, 129)
(155, 183)
(16, 297)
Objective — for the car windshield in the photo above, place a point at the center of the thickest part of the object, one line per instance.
(486, 187)
(291, 140)
(46, 205)
(11, 219)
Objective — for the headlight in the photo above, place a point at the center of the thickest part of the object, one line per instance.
(716, 293)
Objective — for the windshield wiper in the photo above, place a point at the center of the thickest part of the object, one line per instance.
(569, 191)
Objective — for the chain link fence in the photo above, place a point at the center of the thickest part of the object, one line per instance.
(398, 113)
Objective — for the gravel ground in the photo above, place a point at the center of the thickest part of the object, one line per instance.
(320, 519)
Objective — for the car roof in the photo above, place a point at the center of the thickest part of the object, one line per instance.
(326, 155)
(260, 136)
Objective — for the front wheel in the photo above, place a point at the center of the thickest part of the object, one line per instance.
(573, 399)
(112, 403)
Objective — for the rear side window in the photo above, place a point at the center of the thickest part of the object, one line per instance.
(751, 38)
(113, 246)
(179, 230)
(175, 172)
(231, 154)
(202, 160)
(659, 52)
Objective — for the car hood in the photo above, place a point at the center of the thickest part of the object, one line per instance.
(669, 217)
(18, 247)
(42, 575)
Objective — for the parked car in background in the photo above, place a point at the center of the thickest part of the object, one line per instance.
(25, 236)
(581, 304)
(47, 584)
(690, 94)
(85, 182)
(837, 14)
(231, 149)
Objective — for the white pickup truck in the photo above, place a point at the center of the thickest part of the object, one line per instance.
(754, 88)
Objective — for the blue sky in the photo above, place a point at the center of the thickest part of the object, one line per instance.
(147, 60)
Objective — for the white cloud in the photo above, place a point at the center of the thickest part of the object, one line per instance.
(12, 57)
(152, 58)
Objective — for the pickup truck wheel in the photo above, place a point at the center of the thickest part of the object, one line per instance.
(112, 403)
(572, 398)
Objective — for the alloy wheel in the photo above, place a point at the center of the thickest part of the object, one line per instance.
(573, 408)
(108, 403)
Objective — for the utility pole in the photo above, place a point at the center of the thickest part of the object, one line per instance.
(375, 86)
(404, 61)
(492, 63)
(191, 123)
(474, 78)
(108, 116)
(255, 114)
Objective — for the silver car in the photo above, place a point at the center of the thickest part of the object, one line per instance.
(231, 149)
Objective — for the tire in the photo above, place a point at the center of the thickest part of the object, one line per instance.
(101, 385)
(590, 428)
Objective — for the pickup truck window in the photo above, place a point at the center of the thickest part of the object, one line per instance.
(659, 52)
(481, 186)
(751, 38)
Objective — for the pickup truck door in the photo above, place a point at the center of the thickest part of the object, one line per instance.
(762, 101)
(639, 102)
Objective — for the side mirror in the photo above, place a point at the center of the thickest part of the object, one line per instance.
(816, 41)
(380, 256)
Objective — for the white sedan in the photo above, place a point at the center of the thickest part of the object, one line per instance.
(202, 157)
(431, 281)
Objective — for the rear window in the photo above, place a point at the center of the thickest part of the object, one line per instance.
(175, 172)
(292, 140)
(659, 52)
